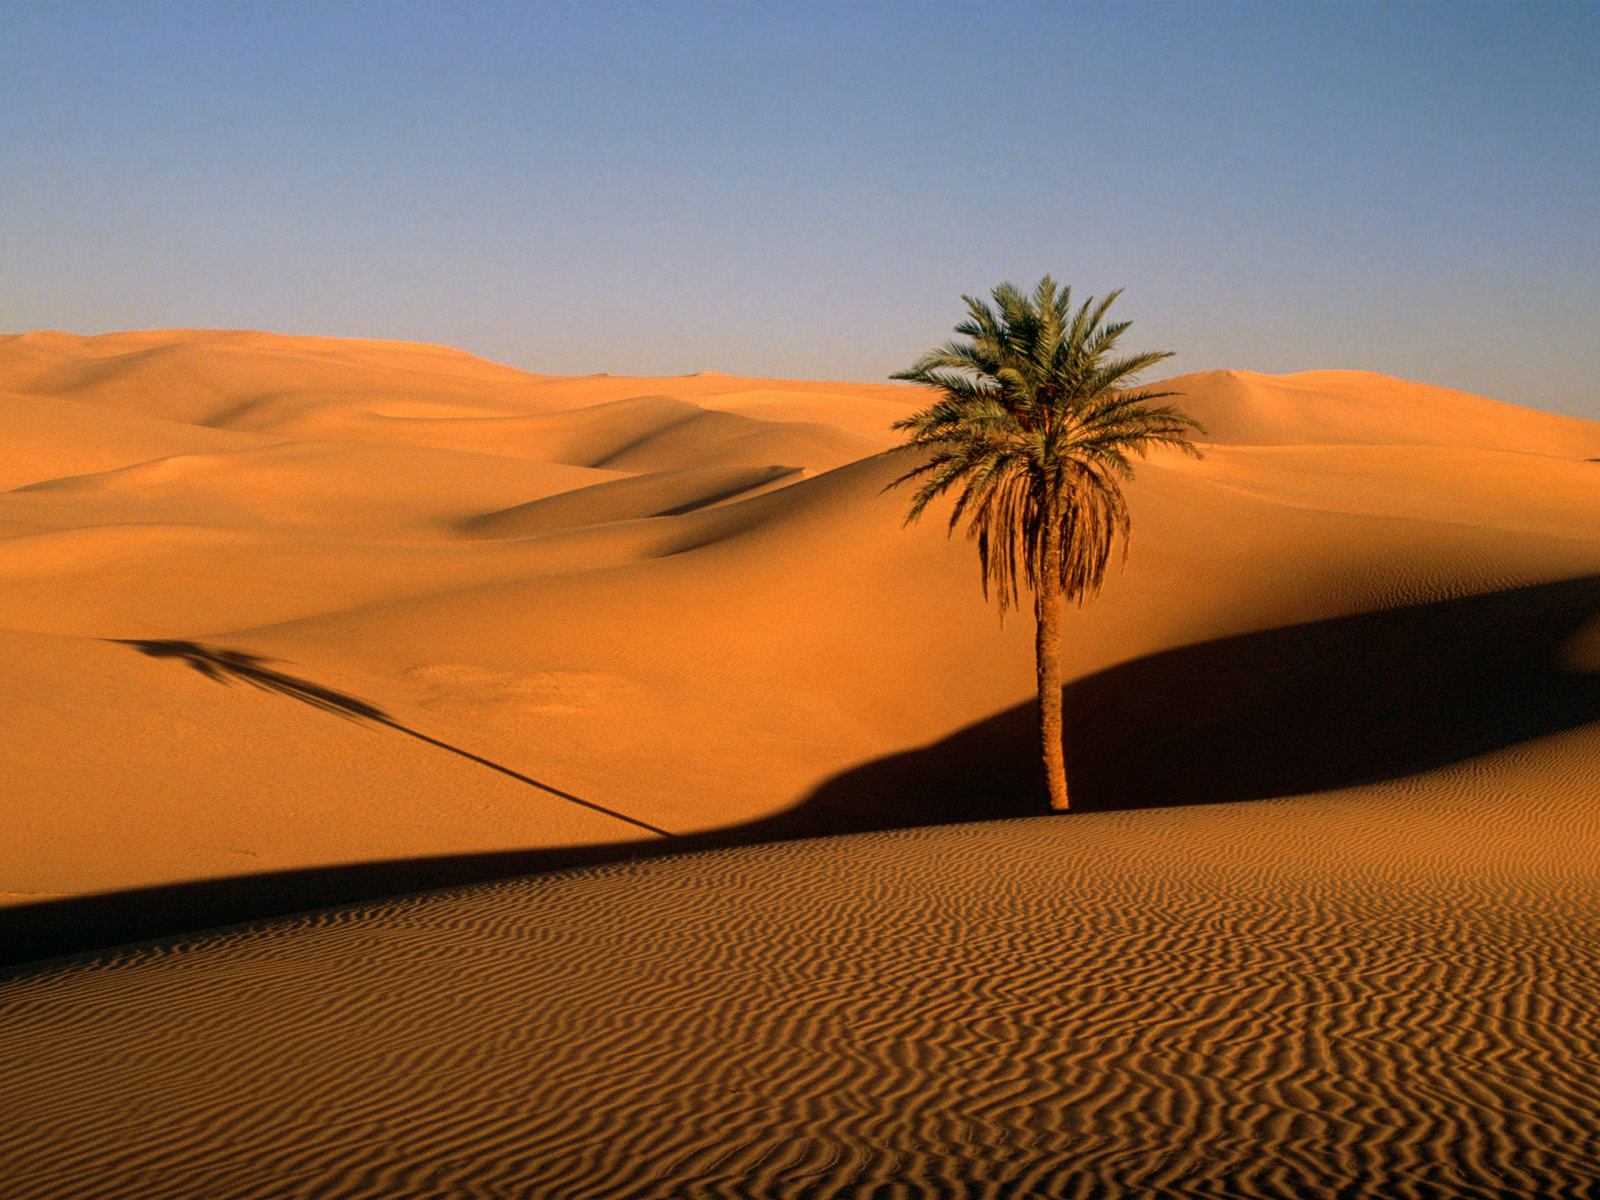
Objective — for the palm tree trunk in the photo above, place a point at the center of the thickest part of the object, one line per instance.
(1047, 648)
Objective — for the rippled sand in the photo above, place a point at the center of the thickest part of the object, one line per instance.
(1392, 993)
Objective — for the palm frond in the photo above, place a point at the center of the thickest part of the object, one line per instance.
(1035, 425)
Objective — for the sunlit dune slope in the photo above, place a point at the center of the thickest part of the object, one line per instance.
(691, 601)
(51, 436)
(1246, 407)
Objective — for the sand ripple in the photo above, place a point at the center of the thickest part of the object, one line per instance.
(1257, 1000)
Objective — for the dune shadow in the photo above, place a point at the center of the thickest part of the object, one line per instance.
(78, 924)
(1304, 708)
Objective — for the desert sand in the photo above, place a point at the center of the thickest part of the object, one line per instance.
(291, 623)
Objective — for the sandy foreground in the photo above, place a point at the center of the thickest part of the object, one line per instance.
(291, 622)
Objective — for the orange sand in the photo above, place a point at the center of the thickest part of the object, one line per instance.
(289, 622)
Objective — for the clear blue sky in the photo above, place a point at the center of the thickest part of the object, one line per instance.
(806, 190)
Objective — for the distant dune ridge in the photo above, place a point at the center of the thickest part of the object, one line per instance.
(290, 622)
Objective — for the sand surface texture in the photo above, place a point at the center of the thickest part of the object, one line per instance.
(295, 622)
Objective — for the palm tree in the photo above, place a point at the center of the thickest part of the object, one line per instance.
(1033, 428)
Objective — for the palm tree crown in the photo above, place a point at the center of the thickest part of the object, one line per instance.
(1034, 427)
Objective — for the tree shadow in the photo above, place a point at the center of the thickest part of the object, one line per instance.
(1305, 708)
(228, 666)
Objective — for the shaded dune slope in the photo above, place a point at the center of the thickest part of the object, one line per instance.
(1306, 708)
(659, 494)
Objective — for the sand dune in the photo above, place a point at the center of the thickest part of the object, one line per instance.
(1386, 993)
(48, 437)
(634, 497)
(729, 617)
(323, 485)
(290, 622)
(1340, 407)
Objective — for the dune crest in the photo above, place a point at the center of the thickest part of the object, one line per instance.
(1360, 407)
